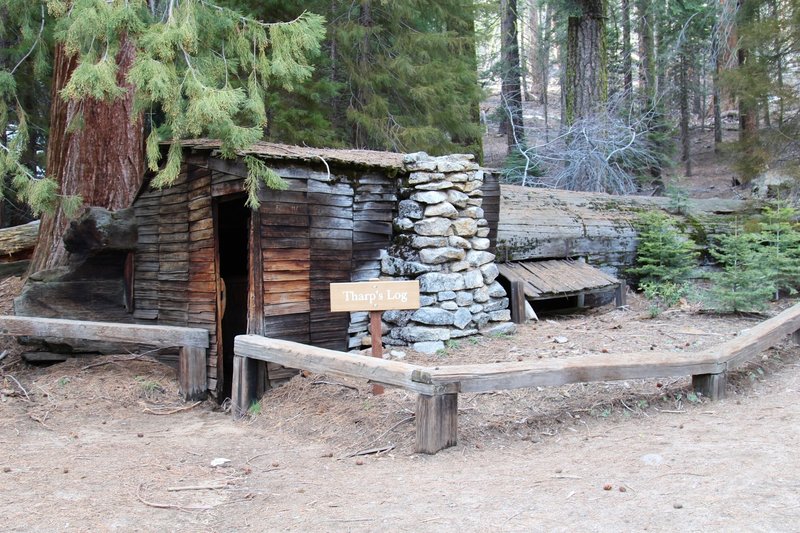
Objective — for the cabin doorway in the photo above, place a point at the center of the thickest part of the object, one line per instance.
(232, 232)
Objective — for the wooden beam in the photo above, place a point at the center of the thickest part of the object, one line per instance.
(192, 373)
(755, 340)
(296, 355)
(552, 372)
(518, 315)
(161, 336)
(244, 386)
(711, 386)
(437, 422)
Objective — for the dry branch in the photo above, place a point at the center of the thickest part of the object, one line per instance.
(170, 411)
(170, 505)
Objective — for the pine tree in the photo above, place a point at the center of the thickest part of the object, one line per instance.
(745, 283)
(780, 248)
(665, 259)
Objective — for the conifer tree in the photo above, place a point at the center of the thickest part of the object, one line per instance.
(398, 76)
(780, 248)
(665, 255)
(745, 283)
(186, 68)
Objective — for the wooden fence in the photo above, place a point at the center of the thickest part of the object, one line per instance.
(193, 342)
(438, 387)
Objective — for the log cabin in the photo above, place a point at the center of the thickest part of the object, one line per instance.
(205, 259)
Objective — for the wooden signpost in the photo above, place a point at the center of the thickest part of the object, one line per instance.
(375, 297)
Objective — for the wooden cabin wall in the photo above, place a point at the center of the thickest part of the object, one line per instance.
(326, 227)
(174, 262)
(491, 205)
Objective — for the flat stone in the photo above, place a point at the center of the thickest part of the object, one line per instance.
(479, 243)
(502, 315)
(447, 295)
(477, 193)
(477, 202)
(495, 290)
(438, 282)
(429, 197)
(456, 334)
(433, 316)
(481, 319)
(473, 212)
(477, 258)
(496, 304)
(464, 298)
(475, 309)
(437, 256)
(415, 157)
(458, 242)
(481, 295)
(482, 232)
(399, 318)
(449, 306)
(458, 199)
(462, 318)
(471, 186)
(465, 227)
(490, 272)
(421, 334)
(430, 347)
(506, 328)
(460, 177)
(416, 178)
(435, 186)
(418, 241)
(410, 209)
(425, 299)
(444, 209)
(396, 267)
(473, 279)
(459, 266)
(433, 227)
(403, 224)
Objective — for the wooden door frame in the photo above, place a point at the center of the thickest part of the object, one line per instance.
(255, 287)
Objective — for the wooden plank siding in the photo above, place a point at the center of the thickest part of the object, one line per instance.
(329, 225)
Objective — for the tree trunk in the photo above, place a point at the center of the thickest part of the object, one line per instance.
(686, 156)
(647, 65)
(102, 161)
(363, 96)
(627, 61)
(587, 78)
(511, 89)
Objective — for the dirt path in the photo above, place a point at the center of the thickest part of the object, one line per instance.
(84, 455)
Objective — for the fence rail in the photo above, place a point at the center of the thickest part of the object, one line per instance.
(438, 387)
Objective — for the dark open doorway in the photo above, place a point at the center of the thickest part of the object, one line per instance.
(233, 222)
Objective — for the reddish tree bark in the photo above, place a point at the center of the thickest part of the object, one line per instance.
(102, 161)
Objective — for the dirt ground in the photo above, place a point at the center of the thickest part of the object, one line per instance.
(105, 445)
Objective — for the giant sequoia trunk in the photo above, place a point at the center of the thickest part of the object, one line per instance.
(587, 78)
(95, 151)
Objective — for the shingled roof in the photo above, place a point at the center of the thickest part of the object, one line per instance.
(267, 150)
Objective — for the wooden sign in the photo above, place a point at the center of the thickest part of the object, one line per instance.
(374, 295)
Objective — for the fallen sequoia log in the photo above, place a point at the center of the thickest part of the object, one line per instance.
(16, 247)
(95, 284)
(553, 224)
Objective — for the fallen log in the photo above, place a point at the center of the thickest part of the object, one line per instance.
(17, 241)
(552, 224)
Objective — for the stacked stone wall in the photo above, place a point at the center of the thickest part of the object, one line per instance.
(441, 239)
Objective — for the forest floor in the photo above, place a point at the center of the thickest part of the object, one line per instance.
(104, 444)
